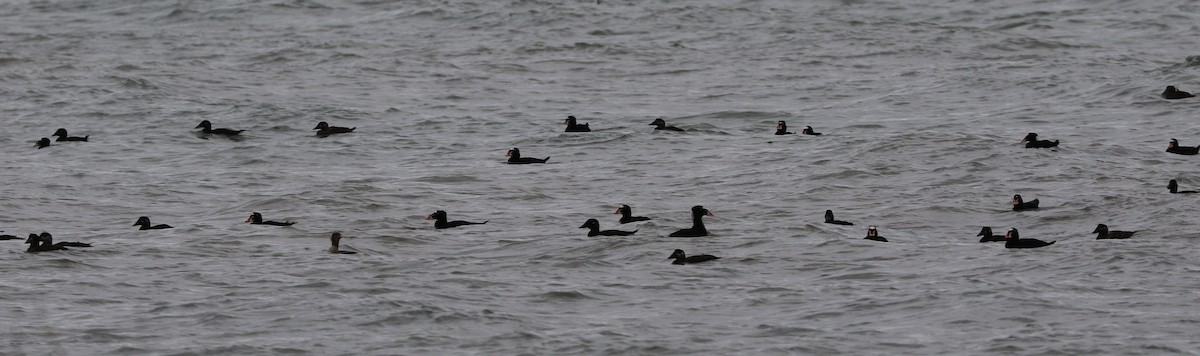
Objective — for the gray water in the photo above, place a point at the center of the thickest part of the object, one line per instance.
(922, 106)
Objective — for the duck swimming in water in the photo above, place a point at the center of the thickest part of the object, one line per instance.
(873, 235)
(334, 241)
(1175, 148)
(440, 222)
(43, 143)
(1172, 93)
(324, 130)
(1015, 241)
(781, 128)
(62, 136)
(8, 237)
(1020, 204)
(660, 124)
(207, 129)
(829, 219)
(257, 219)
(144, 222)
(1174, 188)
(574, 126)
(988, 237)
(682, 259)
(808, 130)
(514, 157)
(1031, 141)
(1103, 233)
(35, 245)
(48, 240)
(593, 227)
(697, 229)
(627, 215)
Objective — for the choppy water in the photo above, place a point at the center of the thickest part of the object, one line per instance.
(922, 106)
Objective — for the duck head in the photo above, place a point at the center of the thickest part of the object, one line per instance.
(624, 210)
(44, 142)
(1012, 235)
(1101, 228)
(987, 231)
(205, 125)
(1017, 199)
(60, 132)
(659, 122)
(321, 126)
(514, 153)
(437, 215)
(1029, 137)
(255, 217)
(698, 211)
(590, 223)
(678, 254)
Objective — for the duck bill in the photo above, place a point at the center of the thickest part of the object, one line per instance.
(249, 219)
(584, 226)
(430, 217)
(617, 212)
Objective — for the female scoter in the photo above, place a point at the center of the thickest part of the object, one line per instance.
(627, 215)
(440, 222)
(326, 130)
(808, 130)
(1031, 141)
(1020, 204)
(697, 229)
(62, 136)
(514, 157)
(35, 244)
(145, 223)
(334, 240)
(1174, 188)
(48, 240)
(682, 259)
(593, 227)
(207, 129)
(1104, 234)
(988, 237)
(829, 219)
(257, 219)
(1015, 241)
(1172, 93)
(874, 235)
(660, 124)
(574, 126)
(43, 143)
(781, 128)
(1174, 147)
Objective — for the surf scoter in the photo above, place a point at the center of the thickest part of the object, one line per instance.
(627, 215)
(207, 129)
(35, 244)
(829, 219)
(660, 124)
(1015, 241)
(781, 128)
(873, 235)
(988, 237)
(334, 241)
(1104, 234)
(145, 223)
(514, 157)
(48, 240)
(440, 222)
(43, 143)
(257, 219)
(808, 130)
(697, 229)
(593, 227)
(1174, 188)
(1031, 141)
(574, 126)
(62, 136)
(326, 130)
(1172, 93)
(1175, 148)
(682, 259)
(1020, 204)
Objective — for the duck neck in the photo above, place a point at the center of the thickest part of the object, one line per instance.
(697, 222)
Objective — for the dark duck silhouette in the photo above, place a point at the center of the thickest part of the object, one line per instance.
(1174, 188)
(697, 229)
(808, 130)
(1104, 234)
(1031, 141)
(8, 237)
(35, 244)
(1015, 241)
(829, 219)
(873, 235)
(207, 129)
(574, 126)
(334, 241)
(514, 157)
(627, 215)
(1172, 93)
(48, 240)
(781, 128)
(144, 222)
(683, 259)
(1020, 204)
(988, 237)
(62, 136)
(440, 222)
(1175, 148)
(43, 143)
(324, 130)
(593, 227)
(660, 124)
(257, 219)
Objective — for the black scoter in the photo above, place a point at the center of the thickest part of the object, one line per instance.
(62, 136)
(1172, 93)
(697, 229)
(574, 126)
(440, 222)
(35, 244)
(48, 240)
(325, 130)
(660, 124)
(514, 157)
(144, 222)
(627, 215)
(988, 237)
(683, 259)
(593, 227)
(1015, 241)
(1103, 233)
(207, 129)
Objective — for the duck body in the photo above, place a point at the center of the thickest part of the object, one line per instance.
(988, 236)
(1015, 241)
(574, 126)
(62, 136)
(1103, 233)
(144, 222)
(660, 124)
(1020, 204)
(1173, 186)
(830, 220)
(697, 229)
(1175, 148)
(514, 157)
(35, 245)
(593, 227)
(682, 259)
(324, 130)
(440, 221)
(808, 130)
(1031, 141)
(48, 240)
(8, 237)
(781, 128)
(206, 127)
(627, 215)
(1172, 93)
(257, 219)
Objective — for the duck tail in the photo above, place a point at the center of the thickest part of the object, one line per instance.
(547, 159)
